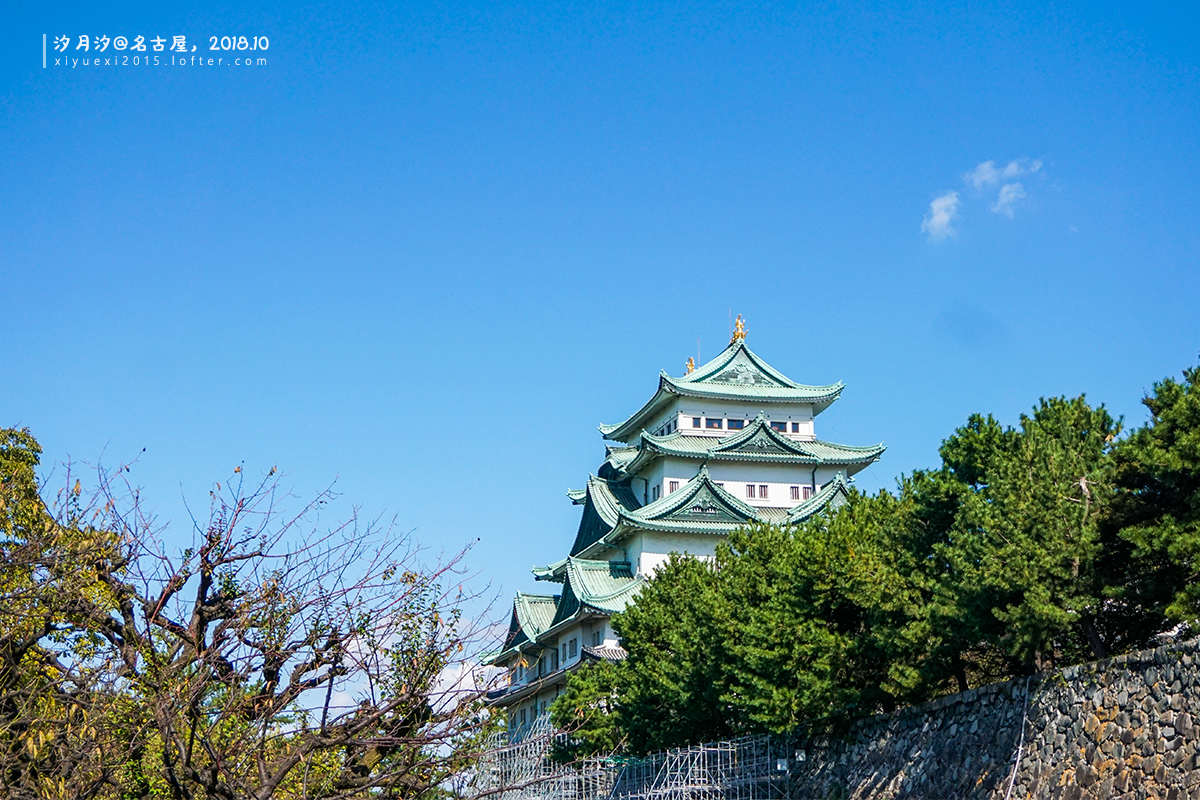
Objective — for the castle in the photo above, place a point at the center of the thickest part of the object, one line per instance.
(727, 444)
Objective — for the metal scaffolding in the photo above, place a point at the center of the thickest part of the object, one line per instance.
(750, 768)
(518, 767)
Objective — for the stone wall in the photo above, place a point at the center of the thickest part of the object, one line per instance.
(1127, 727)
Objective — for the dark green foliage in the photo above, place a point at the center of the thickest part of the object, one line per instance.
(780, 628)
(1158, 503)
(671, 681)
(1031, 547)
(586, 712)
(1021, 552)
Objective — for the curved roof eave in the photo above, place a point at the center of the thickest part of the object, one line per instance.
(798, 452)
(620, 432)
(697, 384)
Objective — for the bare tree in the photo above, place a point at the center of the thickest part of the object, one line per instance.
(273, 658)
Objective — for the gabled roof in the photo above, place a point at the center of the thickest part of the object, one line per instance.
(736, 374)
(602, 506)
(758, 442)
(699, 506)
(532, 614)
(606, 586)
(702, 506)
(832, 495)
(699, 500)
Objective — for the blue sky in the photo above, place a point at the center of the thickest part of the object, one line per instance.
(425, 250)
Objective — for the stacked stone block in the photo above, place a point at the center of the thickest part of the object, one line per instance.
(1125, 728)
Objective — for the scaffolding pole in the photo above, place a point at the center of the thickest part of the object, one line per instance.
(518, 767)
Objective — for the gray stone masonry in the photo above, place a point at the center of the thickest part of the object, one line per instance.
(1122, 729)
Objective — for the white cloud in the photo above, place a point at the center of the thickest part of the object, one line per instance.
(983, 180)
(985, 174)
(1010, 193)
(942, 212)
(1019, 167)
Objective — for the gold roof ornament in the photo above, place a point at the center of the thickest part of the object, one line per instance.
(739, 331)
(691, 365)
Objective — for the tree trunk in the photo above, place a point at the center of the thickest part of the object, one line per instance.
(1093, 638)
(960, 672)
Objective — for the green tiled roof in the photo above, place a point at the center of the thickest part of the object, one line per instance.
(758, 442)
(551, 572)
(532, 614)
(701, 506)
(832, 495)
(700, 499)
(535, 612)
(602, 508)
(736, 374)
(618, 458)
(607, 586)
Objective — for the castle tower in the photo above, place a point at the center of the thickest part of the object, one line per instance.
(727, 444)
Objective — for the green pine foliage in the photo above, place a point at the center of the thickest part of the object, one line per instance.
(1158, 503)
(1030, 548)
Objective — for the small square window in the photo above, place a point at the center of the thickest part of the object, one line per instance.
(736, 424)
(795, 492)
(762, 492)
(695, 422)
(712, 423)
(779, 426)
(795, 427)
(673, 486)
(749, 490)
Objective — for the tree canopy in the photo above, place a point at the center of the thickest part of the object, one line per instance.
(1030, 547)
(272, 658)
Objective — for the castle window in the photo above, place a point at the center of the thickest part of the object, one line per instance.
(673, 486)
(573, 648)
(762, 492)
(597, 638)
(736, 424)
(712, 423)
(795, 492)
(807, 492)
(779, 426)
(695, 422)
(795, 427)
(749, 490)
(654, 492)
